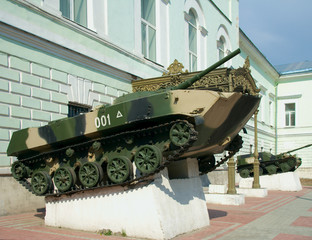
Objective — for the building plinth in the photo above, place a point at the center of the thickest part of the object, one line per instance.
(288, 181)
(161, 210)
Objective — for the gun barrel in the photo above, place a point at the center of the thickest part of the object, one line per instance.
(190, 81)
(296, 149)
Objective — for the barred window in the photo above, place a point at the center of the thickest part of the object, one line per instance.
(77, 108)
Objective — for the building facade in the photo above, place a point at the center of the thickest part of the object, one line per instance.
(294, 120)
(60, 57)
(284, 121)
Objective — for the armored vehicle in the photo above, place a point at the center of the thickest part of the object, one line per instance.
(269, 163)
(140, 132)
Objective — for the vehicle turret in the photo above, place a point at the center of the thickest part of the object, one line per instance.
(189, 82)
(184, 85)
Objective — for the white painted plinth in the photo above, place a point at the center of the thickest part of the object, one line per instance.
(162, 210)
(253, 192)
(213, 188)
(288, 181)
(225, 199)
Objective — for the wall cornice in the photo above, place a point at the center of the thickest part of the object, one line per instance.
(295, 77)
(251, 50)
(52, 48)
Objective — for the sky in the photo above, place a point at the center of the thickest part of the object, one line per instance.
(280, 29)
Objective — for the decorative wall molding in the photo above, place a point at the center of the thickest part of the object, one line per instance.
(221, 79)
(289, 97)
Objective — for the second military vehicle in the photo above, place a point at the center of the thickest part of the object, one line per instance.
(269, 163)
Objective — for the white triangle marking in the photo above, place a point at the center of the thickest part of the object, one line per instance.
(119, 115)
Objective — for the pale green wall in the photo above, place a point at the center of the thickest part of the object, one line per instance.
(84, 41)
(265, 81)
(177, 32)
(296, 89)
(107, 57)
(121, 23)
(34, 89)
(213, 19)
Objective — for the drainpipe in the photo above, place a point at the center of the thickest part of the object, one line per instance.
(275, 128)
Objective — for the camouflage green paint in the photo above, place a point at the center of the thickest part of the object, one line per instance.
(141, 128)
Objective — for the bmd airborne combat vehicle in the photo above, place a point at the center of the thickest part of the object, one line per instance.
(146, 129)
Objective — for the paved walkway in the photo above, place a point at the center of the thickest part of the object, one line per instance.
(279, 216)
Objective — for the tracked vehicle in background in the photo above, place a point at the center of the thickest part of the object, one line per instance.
(145, 130)
(269, 163)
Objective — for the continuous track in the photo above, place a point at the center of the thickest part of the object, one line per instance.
(169, 155)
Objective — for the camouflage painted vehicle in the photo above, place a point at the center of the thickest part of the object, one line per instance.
(269, 163)
(142, 130)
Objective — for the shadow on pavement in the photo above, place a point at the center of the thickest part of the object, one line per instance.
(216, 213)
(40, 213)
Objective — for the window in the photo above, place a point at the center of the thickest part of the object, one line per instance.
(221, 47)
(75, 10)
(77, 108)
(195, 34)
(290, 114)
(192, 35)
(271, 113)
(148, 29)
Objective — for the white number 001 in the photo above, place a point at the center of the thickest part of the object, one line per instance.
(102, 121)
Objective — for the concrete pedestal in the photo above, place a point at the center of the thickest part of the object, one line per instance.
(282, 181)
(225, 199)
(161, 210)
(217, 188)
(216, 194)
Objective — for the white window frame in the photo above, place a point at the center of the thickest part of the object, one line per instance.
(147, 50)
(201, 34)
(223, 33)
(190, 52)
(89, 13)
(288, 115)
(162, 31)
(221, 42)
(272, 111)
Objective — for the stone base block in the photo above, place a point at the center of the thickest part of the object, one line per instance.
(288, 181)
(161, 210)
(217, 189)
(253, 192)
(225, 199)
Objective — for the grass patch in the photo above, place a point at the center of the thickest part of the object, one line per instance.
(108, 232)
